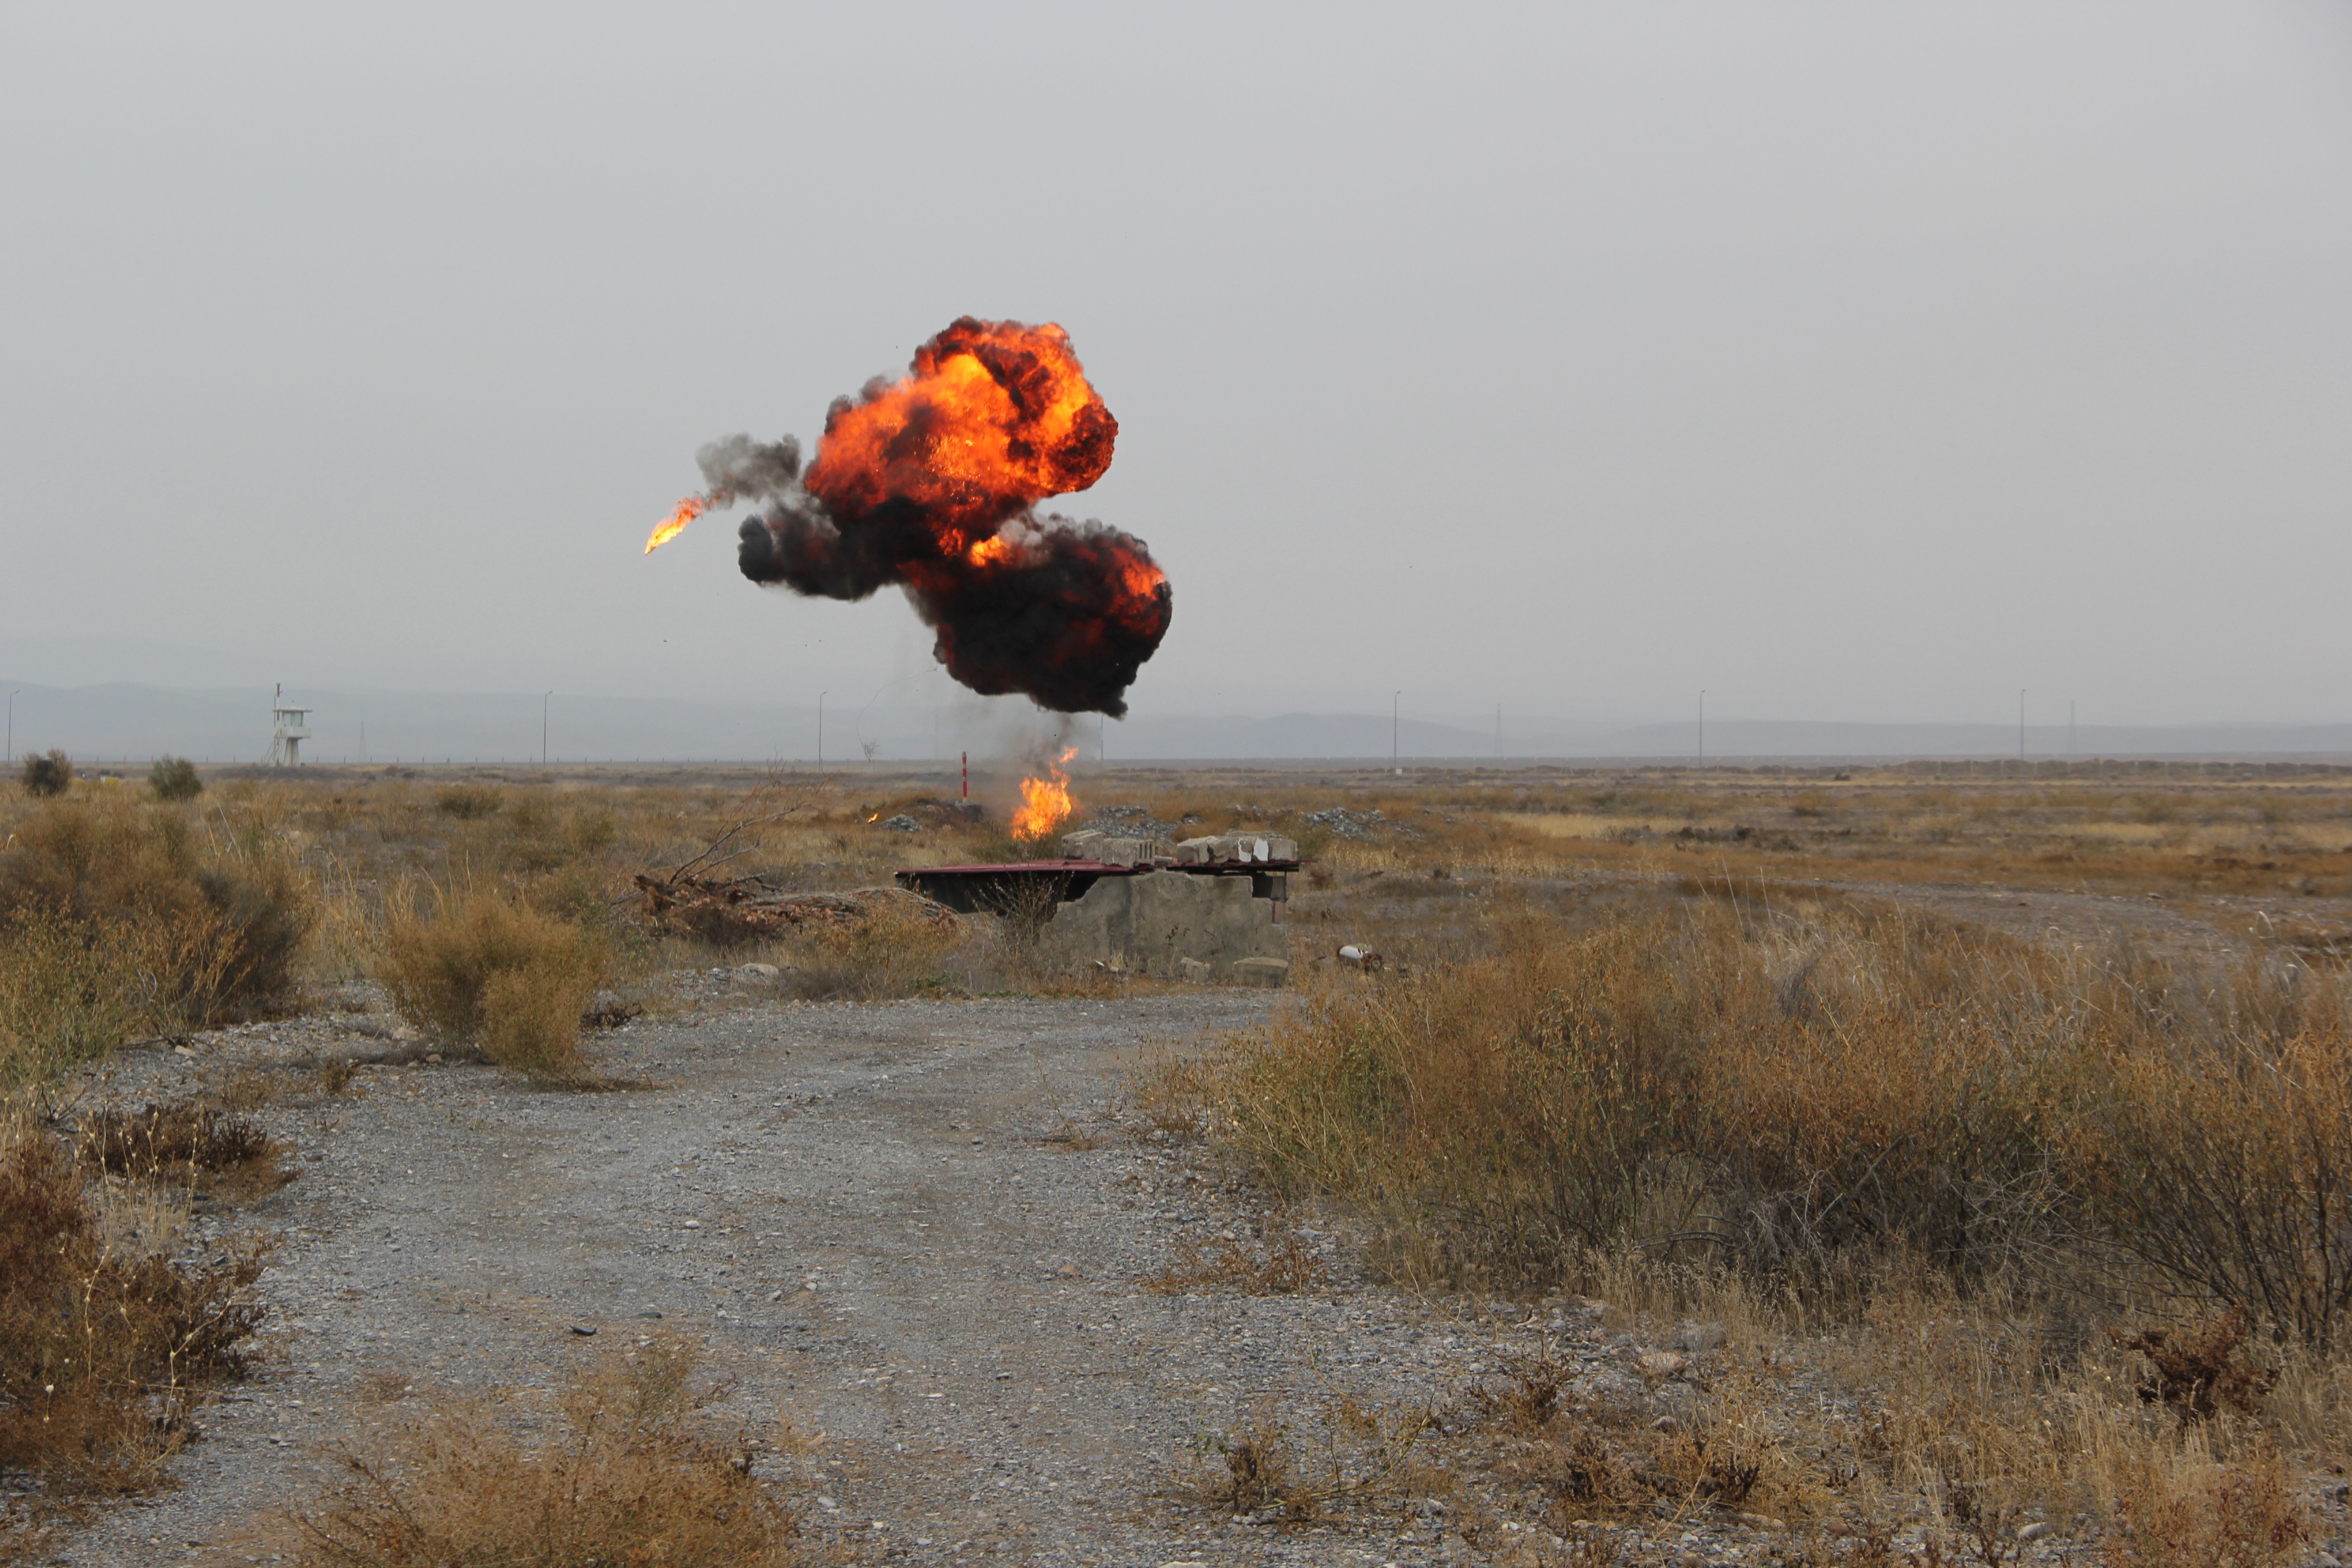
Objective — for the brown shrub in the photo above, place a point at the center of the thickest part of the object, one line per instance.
(2196, 1372)
(1803, 1092)
(46, 776)
(215, 938)
(894, 946)
(469, 802)
(180, 1143)
(494, 974)
(102, 1353)
(70, 993)
(1776, 1091)
(2171, 1515)
(2208, 1126)
(631, 1477)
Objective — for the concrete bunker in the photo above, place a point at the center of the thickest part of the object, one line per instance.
(1210, 911)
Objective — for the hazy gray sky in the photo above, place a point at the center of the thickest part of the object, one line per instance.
(1850, 361)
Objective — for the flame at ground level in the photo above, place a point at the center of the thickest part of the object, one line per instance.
(1046, 803)
(673, 525)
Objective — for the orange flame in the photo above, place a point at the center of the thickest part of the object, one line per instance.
(673, 525)
(1046, 803)
(994, 415)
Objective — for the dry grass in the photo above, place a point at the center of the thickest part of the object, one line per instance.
(1912, 1169)
(188, 1143)
(115, 921)
(1802, 1091)
(1278, 1262)
(1350, 1456)
(71, 991)
(488, 974)
(103, 1349)
(633, 1474)
(1937, 1431)
(898, 946)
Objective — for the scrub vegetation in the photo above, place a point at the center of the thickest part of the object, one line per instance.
(1969, 1224)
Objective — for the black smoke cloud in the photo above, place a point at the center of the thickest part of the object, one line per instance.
(737, 468)
(1055, 621)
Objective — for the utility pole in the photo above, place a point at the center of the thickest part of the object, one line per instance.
(2020, 726)
(1702, 727)
(820, 731)
(1394, 708)
(1498, 732)
(542, 727)
(10, 755)
(2071, 748)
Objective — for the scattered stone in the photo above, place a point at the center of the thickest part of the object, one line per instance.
(586, 1331)
(2034, 1531)
(902, 822)
(1660, 1363)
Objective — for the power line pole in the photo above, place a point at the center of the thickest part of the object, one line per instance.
(1702, 727)
(1395, 707)
(10, 755)
(2071, 748)
(1498, 732)
(543, 728)
(820, 731)
(2020, 726)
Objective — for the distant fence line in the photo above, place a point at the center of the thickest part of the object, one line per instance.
(2207, 765)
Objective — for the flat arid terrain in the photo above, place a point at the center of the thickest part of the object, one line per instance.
(1864, 1166)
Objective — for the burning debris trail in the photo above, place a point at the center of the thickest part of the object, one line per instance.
(735, 468)
(930, 484)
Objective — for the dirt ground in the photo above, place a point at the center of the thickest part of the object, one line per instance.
(885, 1220)
(921, 1230)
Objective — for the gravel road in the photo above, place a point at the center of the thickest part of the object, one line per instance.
(874, 1216)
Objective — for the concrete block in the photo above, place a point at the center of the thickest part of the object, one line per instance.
(1155, 923)
(1112, 850)
(1272, 974)
(1236, 848)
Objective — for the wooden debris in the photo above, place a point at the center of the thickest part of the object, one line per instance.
(742, 909)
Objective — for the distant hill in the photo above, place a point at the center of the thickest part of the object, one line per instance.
(133, 722)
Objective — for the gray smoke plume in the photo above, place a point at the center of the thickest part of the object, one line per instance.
(737, 468)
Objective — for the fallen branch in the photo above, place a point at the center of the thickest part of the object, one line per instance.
(742, 909)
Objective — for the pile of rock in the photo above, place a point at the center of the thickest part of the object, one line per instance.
(1346, 824)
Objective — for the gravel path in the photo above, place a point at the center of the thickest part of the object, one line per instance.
(874, 1214)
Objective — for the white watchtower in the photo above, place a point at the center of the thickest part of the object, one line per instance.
(288, 727)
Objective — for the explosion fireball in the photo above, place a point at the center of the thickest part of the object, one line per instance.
(931, 484)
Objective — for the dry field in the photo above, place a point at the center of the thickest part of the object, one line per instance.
(1937, 1164)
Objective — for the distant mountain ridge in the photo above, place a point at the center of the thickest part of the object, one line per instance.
(133, 722)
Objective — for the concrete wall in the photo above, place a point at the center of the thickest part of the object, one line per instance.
(1176, 925)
